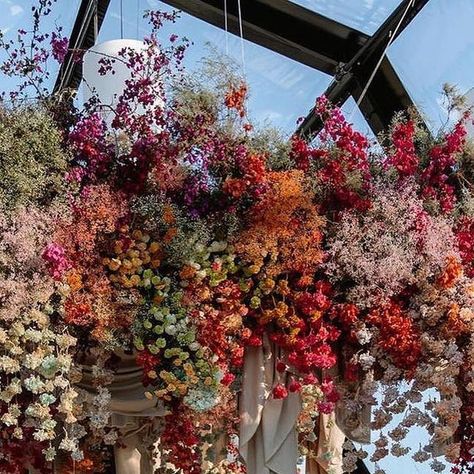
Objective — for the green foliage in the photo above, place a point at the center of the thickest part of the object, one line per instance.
(32, 160)
(275, 145)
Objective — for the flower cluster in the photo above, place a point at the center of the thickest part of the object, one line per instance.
(181, 237)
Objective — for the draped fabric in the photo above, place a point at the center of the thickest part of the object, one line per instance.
(136, 417)
(268, 441)
(328, 448)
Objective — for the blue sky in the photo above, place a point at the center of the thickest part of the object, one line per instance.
(437, 47)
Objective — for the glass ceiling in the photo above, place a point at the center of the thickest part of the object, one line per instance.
(362, 15)
(16, 14)
(281, 90)
(443, 33)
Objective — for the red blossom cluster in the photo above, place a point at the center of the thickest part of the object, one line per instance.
(236, 97)
(180, 441)
(93, 153)
(347, 158)
(398, 335)
(404, 158)
(252, 171)
(436, 178)
(465, 238)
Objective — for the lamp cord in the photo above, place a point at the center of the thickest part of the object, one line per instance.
(242, 52)
(226, 28)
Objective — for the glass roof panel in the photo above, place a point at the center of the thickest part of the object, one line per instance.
(354, 116)
(362, 15)
(16, 14)
(281, 90)
(444, 53)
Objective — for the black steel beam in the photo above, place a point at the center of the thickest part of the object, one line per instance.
(312, 39)
(83, 36)
(282, 26)
(386, 94)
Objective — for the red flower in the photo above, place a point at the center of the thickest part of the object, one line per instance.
(280, 392)
(404, 158)
(398, 336)
(326, 407)
(227, 379)
(294, 386)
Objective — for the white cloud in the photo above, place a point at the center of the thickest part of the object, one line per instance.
(16, 10)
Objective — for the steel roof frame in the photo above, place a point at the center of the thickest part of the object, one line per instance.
(84, 33)
(298, 33)
(327, 45)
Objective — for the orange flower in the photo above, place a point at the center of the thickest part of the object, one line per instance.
(168, 215)
(235, 187)
(451, 274)
(187, 272)
(455, 326)
(284, 227)
(74, 280)
(170, 235)
(235, 99)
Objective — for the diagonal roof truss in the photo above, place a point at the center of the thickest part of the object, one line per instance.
(327, 45)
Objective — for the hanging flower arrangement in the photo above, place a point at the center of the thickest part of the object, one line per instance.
(177, 237)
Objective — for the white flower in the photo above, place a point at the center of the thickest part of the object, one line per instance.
(171, 329)
(363, 336)
(8, 419)
(68, 444)
(33, 335)
(194, 346)
(16, 329)
(110, 438)
(201, 398)
(42, 435)
(9, 365)
(49, 454)
(366, 361)
(34, 384)
(77, 455)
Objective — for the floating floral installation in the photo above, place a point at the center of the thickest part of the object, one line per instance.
(181, 235)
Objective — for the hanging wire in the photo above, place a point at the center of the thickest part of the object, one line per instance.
(121, 19)
(226, 29)
(241, 36)
(384, 53)
(138, 19)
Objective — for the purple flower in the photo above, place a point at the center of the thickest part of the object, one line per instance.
(59, 47)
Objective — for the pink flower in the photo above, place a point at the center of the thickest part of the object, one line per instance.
(59, 46)
(326, 407)
(57, 261)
